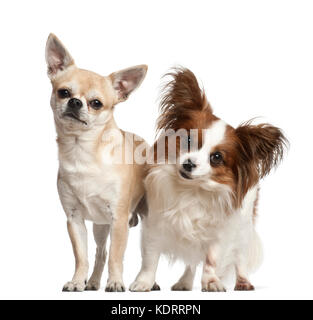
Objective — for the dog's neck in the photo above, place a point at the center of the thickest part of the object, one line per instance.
(82, 144)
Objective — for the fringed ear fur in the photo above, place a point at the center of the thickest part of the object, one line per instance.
(260, 149)
(182, 99)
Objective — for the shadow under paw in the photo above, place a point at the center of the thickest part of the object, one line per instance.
(155, 287)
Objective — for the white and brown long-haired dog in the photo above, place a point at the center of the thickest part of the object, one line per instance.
(92, 184)
(202, 207)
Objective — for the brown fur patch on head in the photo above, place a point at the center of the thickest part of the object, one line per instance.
(225, 173)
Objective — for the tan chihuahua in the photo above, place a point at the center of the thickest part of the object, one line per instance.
(92, 185)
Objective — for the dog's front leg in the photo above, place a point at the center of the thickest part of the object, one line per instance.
(145, 280)
(210, 281)
(186, 280)
(100, 233)
(119, 236)
(78, 235)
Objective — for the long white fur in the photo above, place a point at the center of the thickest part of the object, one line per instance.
(187, 218)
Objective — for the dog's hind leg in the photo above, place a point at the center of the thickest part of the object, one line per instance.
(100, 233)
(185, 283)
(242, 280)
(78, 234)
(247, 261)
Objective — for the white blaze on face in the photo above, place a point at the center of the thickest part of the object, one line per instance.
(212, 137)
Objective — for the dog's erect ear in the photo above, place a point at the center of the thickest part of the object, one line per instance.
(127, 80)
(183, 91)
(57, 57)
(182, 102)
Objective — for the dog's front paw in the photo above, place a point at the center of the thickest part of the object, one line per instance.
(214, 286)
(74, 286)
(181, 286)
(92, 285)
(115, 286)
(141, 286)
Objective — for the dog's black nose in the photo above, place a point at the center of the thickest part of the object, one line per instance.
(188, 165)
(74, 104)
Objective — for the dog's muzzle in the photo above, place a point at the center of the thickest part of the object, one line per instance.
(72, 110)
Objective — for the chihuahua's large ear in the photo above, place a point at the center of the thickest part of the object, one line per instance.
(127, 80)
(57, 57)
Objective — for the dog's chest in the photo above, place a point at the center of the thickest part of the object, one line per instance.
(188, 223)
(193, 222)
(87, 188)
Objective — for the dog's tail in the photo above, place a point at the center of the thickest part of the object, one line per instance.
(141, 210)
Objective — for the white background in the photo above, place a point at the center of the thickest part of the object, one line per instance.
(254, 58)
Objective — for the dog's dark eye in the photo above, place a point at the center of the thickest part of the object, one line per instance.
(216, 158)
(96, 104)
(64, 93)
